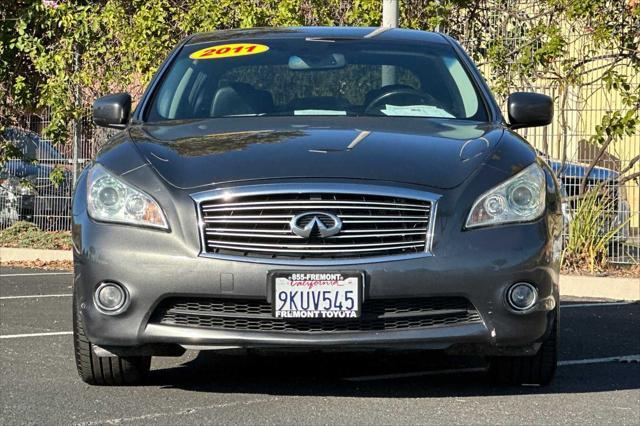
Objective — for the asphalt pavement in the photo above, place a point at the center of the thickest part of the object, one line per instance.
(598, 380)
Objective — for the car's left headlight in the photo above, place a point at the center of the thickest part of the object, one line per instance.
(110, 199)
(519, 199)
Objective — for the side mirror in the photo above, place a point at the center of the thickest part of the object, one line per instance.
(112, 110)
(529, 110)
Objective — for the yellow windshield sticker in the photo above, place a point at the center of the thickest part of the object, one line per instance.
(229, 50)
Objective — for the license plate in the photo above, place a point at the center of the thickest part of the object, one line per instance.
(317, 295)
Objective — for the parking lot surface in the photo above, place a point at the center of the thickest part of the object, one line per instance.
(598, 381)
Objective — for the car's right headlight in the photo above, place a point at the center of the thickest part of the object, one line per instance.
(110, 199)
(519, 199)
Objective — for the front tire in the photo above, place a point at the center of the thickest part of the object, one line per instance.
(104, 371)
(538, 369)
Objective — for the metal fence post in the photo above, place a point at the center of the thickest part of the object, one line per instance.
(390, 20)
(439, 27)
(77, 122)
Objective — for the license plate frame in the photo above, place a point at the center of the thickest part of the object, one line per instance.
(272, 280)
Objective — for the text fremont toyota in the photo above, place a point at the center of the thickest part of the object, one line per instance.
(317, 188)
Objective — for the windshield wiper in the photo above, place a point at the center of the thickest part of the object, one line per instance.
(242, 115)
(332, 39)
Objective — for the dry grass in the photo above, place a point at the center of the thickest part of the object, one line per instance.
(617, 271)
(63, 265)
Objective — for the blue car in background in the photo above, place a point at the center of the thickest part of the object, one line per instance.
(570, 176)
(26, 191)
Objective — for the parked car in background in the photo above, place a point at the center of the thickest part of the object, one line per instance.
(26, 190)
(570, 176)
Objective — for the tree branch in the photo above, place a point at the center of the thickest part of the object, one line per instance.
(592, 165)
(626, 179)
(601, 151)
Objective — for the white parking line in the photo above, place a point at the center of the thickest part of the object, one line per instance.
(34, 296)
(183, 412)
(35, 274)
(591, 305)
(54, 333)
(625, 358)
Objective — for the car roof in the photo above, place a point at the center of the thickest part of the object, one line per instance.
(379, 33)
(571, 169)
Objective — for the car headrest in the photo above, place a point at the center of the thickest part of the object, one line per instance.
(240, 98)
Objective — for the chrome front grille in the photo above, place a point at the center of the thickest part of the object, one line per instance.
(258, 225)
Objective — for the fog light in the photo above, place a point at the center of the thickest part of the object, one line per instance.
(110, 297)
(522, 296)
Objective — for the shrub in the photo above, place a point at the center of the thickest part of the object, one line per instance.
(591, 231)
(28, 235)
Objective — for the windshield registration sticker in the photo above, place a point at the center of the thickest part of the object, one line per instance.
(229, 50)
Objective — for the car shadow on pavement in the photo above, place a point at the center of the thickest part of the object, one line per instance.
(372, 374)
(587, 332)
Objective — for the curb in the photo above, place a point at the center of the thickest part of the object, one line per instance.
(8, 254)
(600, 287)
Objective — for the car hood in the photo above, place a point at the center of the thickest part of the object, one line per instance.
(435, 153)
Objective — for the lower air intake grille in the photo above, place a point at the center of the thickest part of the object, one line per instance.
(255, 315)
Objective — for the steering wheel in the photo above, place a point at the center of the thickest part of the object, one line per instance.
(430, 100)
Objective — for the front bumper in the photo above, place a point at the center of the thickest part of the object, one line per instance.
(477, 265)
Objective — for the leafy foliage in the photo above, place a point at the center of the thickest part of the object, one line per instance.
(51, 48)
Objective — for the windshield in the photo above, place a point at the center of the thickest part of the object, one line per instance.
(285, 77)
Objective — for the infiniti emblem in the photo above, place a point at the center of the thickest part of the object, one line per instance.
(315, 224)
